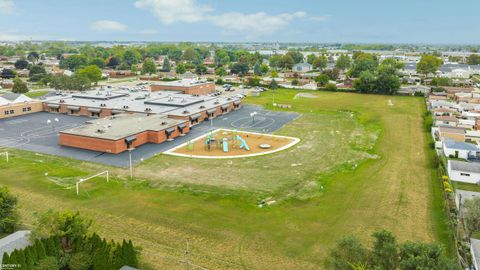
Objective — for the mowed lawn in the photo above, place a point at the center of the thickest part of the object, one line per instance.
(362, 166)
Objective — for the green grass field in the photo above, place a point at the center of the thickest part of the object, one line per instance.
(362, 165)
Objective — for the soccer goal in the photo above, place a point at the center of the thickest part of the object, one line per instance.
(90, 177)
(4, 154)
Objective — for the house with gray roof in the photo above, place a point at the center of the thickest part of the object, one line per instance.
(302, 67)
(16, 240)
(463, 171)
(452, 148)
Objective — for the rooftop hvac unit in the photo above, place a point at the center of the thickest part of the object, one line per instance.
(103, 105)
(125, 106)
(163, 123)
(62, 101)
(202, 107)
(100, 130)
(185, 112)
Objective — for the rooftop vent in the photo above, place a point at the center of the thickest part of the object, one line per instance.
(185, 112)
(125, 106)
(163, 123)
(100, 130)
(202, 107)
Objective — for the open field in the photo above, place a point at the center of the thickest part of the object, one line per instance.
(361, 166)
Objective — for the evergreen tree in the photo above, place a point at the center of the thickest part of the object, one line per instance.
(166, 65)
(20, 259)
(29, 258)
(13, 257)
(5, 258)
(256, 69)
(132, 256)
(40, 249)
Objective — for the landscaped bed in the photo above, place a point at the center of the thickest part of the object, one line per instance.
(225, 143)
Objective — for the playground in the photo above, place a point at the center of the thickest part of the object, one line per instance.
(226, 143)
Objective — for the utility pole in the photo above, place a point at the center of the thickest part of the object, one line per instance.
(186, 256)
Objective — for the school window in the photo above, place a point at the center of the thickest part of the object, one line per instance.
(7, 112)
(464, 174)
(29, 109)
(24, 109)
(12, 111)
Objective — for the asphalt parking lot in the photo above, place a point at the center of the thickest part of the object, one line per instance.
(38, 132)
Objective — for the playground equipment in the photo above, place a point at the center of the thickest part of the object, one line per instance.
(225, 145)
(243, 143)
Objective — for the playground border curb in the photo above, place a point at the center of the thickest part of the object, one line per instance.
(171, 151)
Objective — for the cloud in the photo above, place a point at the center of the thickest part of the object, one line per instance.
(190, 11)
(6, 6)
(320, 18)
(171, 11)
(148, 32)
(105, 25)
(256, 23)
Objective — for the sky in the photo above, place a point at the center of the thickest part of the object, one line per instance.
(317, 21)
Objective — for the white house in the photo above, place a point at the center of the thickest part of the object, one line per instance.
(446, 121)
(463, 171)
(302, 67)
(463, 150)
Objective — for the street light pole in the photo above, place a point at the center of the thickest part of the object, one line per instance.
(130, 162)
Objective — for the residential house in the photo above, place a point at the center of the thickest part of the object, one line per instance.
(463, 171)
(446, 121)
(454, 133)
(302, 67)
(462, 150)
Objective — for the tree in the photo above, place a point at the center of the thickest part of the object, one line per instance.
(273, 84)
(149, 67)
(97, 61)
(365, 83)
(190, 55)
(264, 68)
(256, 69)
(131, 57)
(37, 72)
(180, 69)
(67, 225)
(415, 256)
(320, 62)
(296, 56)
(19, 86)
(8, 74)
(472, 215)
(74, 62)
(385, 250)
(275, 61)
(81, 261)
(387, 82)
(8, 213)
(47, 263)
(363, 62)
(441, 81)
(220, 71)
(113, 62)
(255, 81)
(473, 59)
(21, 64)
(287, 61)
(311, 58)
(240, 68)
(331, 87)
(33, 56)
(77, 82)
(92, 72)
(274, 74)
(322, 79)
(201, 69)
(343, 62)
(166, 65)
(429, 64)
(347, 252)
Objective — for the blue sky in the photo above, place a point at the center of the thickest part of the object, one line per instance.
(367, 21)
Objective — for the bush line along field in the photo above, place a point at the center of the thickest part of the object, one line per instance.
(362, 165)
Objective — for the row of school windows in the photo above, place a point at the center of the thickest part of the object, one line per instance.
(9, 112)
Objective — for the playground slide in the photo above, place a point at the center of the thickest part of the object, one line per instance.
(243, 143)
(225, 145)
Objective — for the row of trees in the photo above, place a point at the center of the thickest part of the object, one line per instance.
(387, 254)
(379, 79)
(61, 240)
